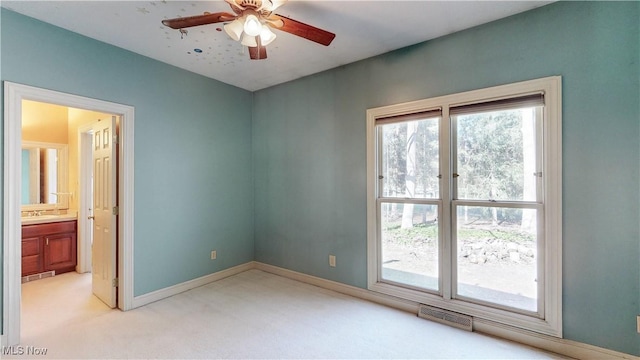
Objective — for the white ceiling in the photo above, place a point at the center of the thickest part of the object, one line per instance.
(363, 29)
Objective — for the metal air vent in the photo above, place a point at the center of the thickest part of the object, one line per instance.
(39, 276)
(461, 321)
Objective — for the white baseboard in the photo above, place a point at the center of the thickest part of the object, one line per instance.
(153, 296)
(573, 349)
(564, 347)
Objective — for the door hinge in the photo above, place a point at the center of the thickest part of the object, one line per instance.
(116, 139)
(115, 211)
(114, 282)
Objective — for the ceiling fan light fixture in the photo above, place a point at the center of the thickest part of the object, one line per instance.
(266, 35)
(252, 25)
(248, 40)
(234, 29)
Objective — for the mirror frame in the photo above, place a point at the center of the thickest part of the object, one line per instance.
(63, 176)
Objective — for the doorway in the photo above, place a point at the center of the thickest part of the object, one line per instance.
(13, 96)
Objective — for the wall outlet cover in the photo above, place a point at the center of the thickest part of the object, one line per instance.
(332, 260)
(214, 254)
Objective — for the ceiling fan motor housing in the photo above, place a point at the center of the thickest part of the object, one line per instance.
(253, 3)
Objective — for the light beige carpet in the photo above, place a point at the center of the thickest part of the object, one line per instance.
(252, 315)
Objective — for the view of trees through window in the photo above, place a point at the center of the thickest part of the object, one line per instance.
(410, 169)
(491, 152)
(494, 202)
(410, 159)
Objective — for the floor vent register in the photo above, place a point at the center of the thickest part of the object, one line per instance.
(39, 276)
(461, 321)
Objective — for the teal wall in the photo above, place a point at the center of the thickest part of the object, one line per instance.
(309, 151)
(288, 187)
(193, 176)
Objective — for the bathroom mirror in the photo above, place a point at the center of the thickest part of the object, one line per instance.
(44, 176)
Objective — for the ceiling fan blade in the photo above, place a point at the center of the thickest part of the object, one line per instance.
(258, 52)
(185, 22)
(297, 28)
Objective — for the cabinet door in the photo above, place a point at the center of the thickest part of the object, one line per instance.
(32, 262)
(60, 252)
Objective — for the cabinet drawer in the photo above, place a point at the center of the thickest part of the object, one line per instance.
(30, 246)
(31, 265)
(48, 229)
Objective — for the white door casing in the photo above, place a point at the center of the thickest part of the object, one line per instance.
(104, 210)
(85, 199)
(13, 95)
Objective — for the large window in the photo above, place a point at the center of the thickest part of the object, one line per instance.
(464, 203)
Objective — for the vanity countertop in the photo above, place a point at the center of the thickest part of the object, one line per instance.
(42, 219)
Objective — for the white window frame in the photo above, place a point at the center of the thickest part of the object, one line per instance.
(549, 321)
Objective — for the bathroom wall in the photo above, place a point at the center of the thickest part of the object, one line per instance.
(44, 122)
(51, 123)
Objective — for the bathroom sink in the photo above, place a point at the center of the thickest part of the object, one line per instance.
(41, 219)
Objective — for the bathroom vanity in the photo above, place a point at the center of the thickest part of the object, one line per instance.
(49, 244)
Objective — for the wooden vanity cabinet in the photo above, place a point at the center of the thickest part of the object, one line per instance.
(50, 246)
(32, 259)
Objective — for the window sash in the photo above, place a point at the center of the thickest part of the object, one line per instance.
(540, 250)
(438, 205)
(538, 139)
(396, 119)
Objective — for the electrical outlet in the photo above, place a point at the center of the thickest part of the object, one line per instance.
(214, 254)
(638, 323)
(332, 260)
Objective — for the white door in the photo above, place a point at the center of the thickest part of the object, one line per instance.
(104, 210)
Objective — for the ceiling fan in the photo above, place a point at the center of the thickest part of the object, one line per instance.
(252, 23)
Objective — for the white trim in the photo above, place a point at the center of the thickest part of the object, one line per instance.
(126, 215)
(552, 238)
(188, 285)
(12, 232)
(85, 164)
(13, 96)
(372, 213)
(564, 347)
(573, 349)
